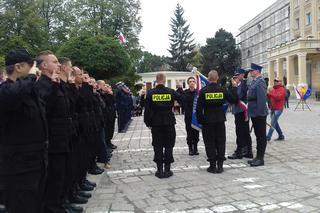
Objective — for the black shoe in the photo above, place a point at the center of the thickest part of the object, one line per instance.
(195, 149)
(90, 183)
(86, 187)
(112, 146)
(212, 169)
(248, 155)
(235, 156)
(257, 162)
(75, 208)
(190, 150)
(220, 167)
(167, 171)
(78, 200)
(96, 171)
(159, 173)
(84, 194)
(280, 138)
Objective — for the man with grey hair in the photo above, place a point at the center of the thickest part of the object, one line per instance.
(159, 117)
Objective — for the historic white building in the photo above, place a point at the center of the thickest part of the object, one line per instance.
(173, 78)
(268, 29)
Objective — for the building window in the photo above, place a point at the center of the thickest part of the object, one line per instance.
(297, 23)
(296, 3)
(308, 19)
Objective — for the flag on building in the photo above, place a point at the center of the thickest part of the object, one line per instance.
(308, 93)
(121, 39)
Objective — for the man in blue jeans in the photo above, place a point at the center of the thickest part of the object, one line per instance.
(277, 98)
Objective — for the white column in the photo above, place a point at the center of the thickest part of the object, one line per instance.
(271, 72)
(290, 71)
(302, 65)
(280, 68)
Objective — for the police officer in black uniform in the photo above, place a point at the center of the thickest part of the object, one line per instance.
(159, 117)
(212, 117)
(60, 130)
(23, 136)
(187, 102)
(243, 140)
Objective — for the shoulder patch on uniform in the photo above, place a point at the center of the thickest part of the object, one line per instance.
(214, 96)
(161, 97)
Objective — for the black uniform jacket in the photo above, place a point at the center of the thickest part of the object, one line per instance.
(210, 102)
(58, 114)
(23, 126)
(159, 103)
(187, 101)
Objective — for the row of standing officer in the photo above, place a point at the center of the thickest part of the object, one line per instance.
(50, 130)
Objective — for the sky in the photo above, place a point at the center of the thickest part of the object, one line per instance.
(204, 16)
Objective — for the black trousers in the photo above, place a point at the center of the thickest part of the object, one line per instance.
(192, 134)
(259, 126)
(73, 168)
(243, 133)
(163, 141)
(109, 130)
(24, 192)
(214, 137)
(54, 194)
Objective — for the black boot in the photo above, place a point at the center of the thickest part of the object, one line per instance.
(247, 152)
(220, 167)
(235, 155)
(195, 149)
(167, 171)
(190, 150)
(256, 162)
(212, 168)
(159, 173)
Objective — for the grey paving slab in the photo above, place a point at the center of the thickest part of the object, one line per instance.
(289, 181)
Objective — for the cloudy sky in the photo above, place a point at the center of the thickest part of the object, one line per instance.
(204, 16)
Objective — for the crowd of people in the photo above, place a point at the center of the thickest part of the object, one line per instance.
(249, 101)
(56, 123)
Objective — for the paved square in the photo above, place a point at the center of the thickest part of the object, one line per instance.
(289, 181)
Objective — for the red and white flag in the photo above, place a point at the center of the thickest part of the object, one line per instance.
(121, 38)
(244, 107)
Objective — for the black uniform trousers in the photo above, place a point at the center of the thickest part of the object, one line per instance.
(192, 134)
(214, 137)
(163, 141)
(24, 192)
(54, 195)
(73, 167)
(243, 133)
(259, 126)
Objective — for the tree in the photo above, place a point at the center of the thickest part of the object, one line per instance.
(221, 53)
(20, 20)
(109, 17)
(101, 56)
(182, 44)
(59, 20)
(151, 63)
(197, 59)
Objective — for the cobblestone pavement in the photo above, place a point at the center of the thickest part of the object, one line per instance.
(289, 181)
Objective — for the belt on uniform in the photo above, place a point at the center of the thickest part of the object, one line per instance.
(252, 100)
(24, 148)
(61, 121)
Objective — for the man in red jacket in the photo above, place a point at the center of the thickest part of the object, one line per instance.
(277, 97)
